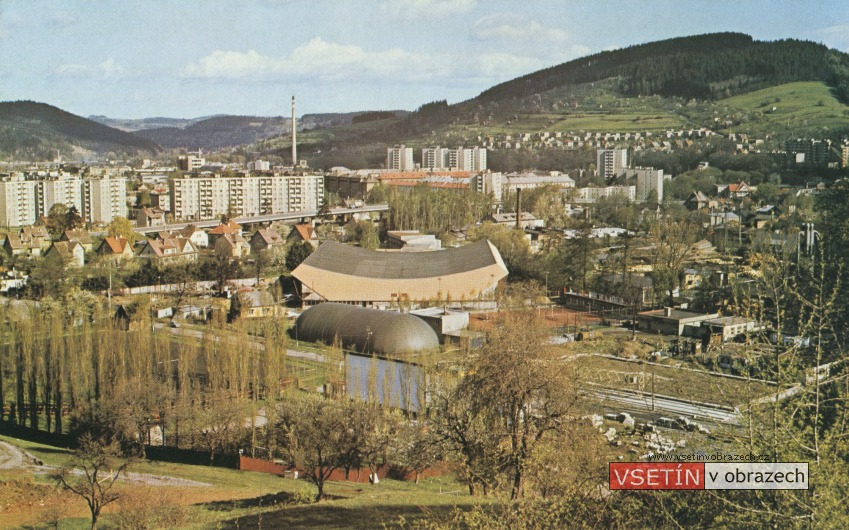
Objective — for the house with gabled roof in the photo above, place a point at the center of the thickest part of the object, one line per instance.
(71, 252)
(303, 232)
(80, 236)
(233, 245)
(171, 250)
(118, 248)
(198, 237)
(737, 190)
(146, 217)
(266, 239)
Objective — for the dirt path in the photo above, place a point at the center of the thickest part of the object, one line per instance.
(12, 457)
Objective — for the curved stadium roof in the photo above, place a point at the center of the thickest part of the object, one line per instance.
(339, 272)
(365, 330)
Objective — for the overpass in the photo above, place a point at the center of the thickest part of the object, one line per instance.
(259, 219)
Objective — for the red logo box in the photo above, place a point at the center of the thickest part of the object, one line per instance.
(657, 476)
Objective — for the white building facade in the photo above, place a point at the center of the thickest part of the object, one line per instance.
(210, 196)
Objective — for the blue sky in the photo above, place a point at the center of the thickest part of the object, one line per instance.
(190, 58)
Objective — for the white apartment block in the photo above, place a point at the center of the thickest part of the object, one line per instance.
(104, 199)
(209, 196)
(610, 163)
(259, 165)
(489, 183)
(594, 194)
(190, 162)
(23, 198)
(461, 159)
(17, 201)
(399, 158)
(648, 180)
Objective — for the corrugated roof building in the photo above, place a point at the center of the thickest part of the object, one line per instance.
(336, 272)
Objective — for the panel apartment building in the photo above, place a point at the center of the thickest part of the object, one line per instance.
(209, 196)
(24, 198)
(461, 159)
(611, 163)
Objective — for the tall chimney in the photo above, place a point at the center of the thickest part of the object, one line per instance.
(294, 137)
(518, 208)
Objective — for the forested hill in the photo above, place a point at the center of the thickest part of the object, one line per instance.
(704, 66)
(36, 131)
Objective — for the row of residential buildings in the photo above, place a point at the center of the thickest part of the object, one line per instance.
(26, 197)
(400, 158)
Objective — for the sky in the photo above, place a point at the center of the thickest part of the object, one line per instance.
(193, 58)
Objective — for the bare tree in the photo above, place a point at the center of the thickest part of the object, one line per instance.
(100, 470)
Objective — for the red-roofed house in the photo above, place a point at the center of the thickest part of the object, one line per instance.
(737, 190)
(169, 251)
(304, 232)
(118, 248)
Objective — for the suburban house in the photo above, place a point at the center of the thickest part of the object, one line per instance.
(303, 232)
(198, 237)
(79, 236)
(228, 228)
(171, 250)
(69, 251)
(233, 245)
(251, 303)
(737, 190)
(266, 239)
(147, 217)
(118, 248)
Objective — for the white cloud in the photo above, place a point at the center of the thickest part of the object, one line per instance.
(423, 9)
(321, 61)
(107, 69)
(513, 27)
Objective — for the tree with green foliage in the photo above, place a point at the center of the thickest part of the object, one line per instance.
(121, 227)
(297, 253)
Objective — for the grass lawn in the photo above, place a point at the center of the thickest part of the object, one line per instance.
(798, 106)
(233, 499)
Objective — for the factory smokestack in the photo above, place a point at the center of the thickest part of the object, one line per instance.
(518, 208)
(294, 137)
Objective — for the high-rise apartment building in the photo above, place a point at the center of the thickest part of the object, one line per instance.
(611, 163)
(25, 198)
(399, 158)
(208, 197)
(462, 159)
(17, 201)
(104, 199)
(648, 180)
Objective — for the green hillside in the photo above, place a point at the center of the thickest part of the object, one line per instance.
(791, 109)
(36, 131)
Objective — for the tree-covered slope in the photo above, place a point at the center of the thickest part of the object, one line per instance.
(36, 131)
(703, 66)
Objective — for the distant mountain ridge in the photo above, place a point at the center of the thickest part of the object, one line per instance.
(37, 131)
(230, 131)
(707, 66)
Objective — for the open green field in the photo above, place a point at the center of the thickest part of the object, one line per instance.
(231, 498)
(671, 381)
(802, 106)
